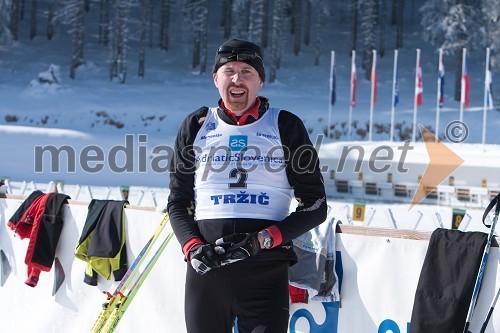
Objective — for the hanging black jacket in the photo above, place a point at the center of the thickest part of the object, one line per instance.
(102, 243)
(39, 218)
(446, 282)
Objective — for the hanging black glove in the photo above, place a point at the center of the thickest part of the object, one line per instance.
(203, 258)
(236, 247)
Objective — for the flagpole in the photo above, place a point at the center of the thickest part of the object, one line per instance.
(414, 132)
(394, 82)
(439, 83)
(353, 64)
(486, 90)
(332, 64)
(373, 74)
(462, 87)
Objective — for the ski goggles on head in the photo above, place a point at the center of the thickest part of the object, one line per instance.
(228, 54)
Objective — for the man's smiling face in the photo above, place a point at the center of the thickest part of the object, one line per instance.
(238, 84)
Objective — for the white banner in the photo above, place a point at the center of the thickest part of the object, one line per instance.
(379, 277)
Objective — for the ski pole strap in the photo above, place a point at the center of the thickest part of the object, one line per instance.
(493, 202)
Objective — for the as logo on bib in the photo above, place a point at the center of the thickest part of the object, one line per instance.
(238, 142)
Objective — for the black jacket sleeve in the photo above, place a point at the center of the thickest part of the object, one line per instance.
(304, 176)
(182, 167)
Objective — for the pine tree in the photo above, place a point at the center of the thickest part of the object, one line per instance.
(491, 12)
(453, 25)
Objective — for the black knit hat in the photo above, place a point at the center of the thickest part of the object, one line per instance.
(241, 50)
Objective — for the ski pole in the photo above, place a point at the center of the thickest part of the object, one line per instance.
(479, 278)
(112, 299)
(485, 324)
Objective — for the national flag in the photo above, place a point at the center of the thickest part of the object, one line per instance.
(489, 96)
(465, 85)
(441, 83)
(373, 79)
(419, 85)
(353, 83)
(333, 83)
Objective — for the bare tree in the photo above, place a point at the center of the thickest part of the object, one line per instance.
(239, 11)
(256, 21)
(319, 24)
(34, 10)
(226, 20)
(265, 24)
(77, 17)
(368, 27)
(5, 35)
(307, 23)
(200, 24)
(22, 6)
(394, 12)
(399, 23)
(50, 19)
(164, 24)
(104, 22)
(297, 26)
(143, 36)
(354, 24)
(204, 36)
(276, 36)
(14, 19)
(382, 22)
(118, 65)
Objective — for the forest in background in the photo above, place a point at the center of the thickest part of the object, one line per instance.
(278, 25)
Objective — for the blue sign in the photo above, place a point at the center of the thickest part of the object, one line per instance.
(328, 326)
(238, 142)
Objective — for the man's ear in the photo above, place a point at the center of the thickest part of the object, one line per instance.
(215, 80)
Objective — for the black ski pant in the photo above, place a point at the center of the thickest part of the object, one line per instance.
(256, 292)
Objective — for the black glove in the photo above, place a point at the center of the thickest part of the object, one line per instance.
(236, 247)
(203, 258)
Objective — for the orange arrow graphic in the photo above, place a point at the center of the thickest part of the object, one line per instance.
(443, 161)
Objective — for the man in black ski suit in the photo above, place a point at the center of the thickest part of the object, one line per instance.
(236, 168)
